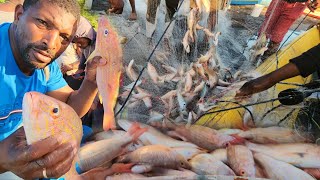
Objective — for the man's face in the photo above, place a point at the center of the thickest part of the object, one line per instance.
(81, 42)
(43, 32)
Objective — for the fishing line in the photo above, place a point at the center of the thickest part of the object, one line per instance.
(148, 60)
(246, 105)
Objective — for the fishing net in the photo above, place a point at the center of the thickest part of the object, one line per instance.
(233, 56)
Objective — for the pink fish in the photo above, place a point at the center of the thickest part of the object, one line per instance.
(108, 76)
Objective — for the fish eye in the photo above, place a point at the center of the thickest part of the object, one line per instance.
(55, 110)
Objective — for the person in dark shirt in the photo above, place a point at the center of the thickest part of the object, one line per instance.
(304, 65)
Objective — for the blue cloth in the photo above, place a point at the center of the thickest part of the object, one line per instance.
(14, 84)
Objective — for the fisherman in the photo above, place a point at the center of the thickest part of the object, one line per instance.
(41, 31)
(280, 15)
(7, 10)
(304, 65)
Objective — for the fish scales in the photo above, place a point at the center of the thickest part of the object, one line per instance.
(44, 116)
(108, 76)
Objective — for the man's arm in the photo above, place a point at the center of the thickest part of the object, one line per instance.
(81, 100)
(303, 65)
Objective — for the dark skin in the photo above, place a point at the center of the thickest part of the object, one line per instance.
(38, 35)
(265, 82)
(28, 161)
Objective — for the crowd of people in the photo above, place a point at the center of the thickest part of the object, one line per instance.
(52, 35)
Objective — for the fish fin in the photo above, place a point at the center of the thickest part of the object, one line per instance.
(122, 168)
(237, 140)
(136, 131)
(108, 122)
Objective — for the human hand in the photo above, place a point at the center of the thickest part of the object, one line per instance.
(252, 87)
(65, 68)
(312, 5)
(30, 161)
(91, 68)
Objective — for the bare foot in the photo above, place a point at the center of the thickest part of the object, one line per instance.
(133, 16)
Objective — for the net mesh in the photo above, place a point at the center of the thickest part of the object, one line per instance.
(234, 65)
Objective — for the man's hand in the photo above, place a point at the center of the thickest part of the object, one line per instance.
(312, 5)
(66, 67)
(29, 161)
(253, 86)
(91, 68)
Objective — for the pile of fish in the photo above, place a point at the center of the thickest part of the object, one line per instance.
(163, 149)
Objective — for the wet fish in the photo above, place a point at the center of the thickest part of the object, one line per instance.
(128, 176)
(274, 135)
(302, 155)
(153, 136)
(188, 83)
(193, 19)
(115, 133)
(221, 155)
(188, 152)
(183, 173)
(103, 173)
(280, 170)
(240, 159)
(199, 87)
(108, 76)
(153, 73)
(156, 156)
(314, 172)
(201, 136)
(97, 153)
(208, 32)
(130, 71)
(205, 164)
(185, 42)
(44, 116)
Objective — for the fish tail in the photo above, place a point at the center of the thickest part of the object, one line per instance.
(237, 139)
(108, 122)
(135, 131)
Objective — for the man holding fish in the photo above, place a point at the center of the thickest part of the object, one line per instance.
(41, 31)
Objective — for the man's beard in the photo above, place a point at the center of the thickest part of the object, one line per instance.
(26, 55)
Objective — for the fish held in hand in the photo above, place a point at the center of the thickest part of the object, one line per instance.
(44, 116)
(108, 76)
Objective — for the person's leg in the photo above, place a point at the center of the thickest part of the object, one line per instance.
(272, 15)
(133, 15)
(152, 8)
(291, 12)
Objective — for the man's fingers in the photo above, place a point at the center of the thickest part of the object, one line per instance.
(58, 155)
(61, 166)
(39, 149)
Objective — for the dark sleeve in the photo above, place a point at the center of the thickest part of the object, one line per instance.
(308, 62)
